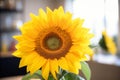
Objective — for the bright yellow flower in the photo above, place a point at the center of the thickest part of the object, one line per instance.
(111, 47)
(52, 40)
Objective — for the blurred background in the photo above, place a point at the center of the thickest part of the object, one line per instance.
(98, 14)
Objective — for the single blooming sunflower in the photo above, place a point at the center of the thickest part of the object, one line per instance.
(53, 40)
(107, 43)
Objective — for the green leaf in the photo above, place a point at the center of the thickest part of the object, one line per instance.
(72, 76)
(61, 74)
(86, 70)
(36, 75)
(50, 77)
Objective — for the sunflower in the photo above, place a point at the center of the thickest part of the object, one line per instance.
(53, 40)
(107, 43)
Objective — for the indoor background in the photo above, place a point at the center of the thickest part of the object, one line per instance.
(98, 15)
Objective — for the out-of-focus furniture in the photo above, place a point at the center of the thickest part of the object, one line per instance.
(9, 67)
(104, 71)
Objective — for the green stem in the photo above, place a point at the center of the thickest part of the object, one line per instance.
(63, 78)
(40, 76)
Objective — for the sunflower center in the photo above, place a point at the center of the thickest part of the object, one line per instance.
(53, 43)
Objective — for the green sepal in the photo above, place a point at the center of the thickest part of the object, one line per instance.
(86, 70)
(72, 76)
(36, 75)
(62, 74)
(51, 77)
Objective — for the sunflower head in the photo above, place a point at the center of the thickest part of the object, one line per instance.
(53, 40)
(107, 43)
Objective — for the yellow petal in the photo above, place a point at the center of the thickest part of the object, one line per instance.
(19, 38)
(18, 53)
(42, 14)
(34, 17)
(74, 24)
(72, 57)
(80, 33)
(63, 63)
(45, 70)
(43, 20)
(36, 22)
(79, 54)
(37, 63)
(58, 14)
(27, 59)
(72, 65)
(77, 65)
(28, 67)
(29, 29)
(60, 10)
(25, 46)
(54, 67)
(50, 17)
(66, 21)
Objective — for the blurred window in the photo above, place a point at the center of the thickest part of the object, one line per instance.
(98, 15)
